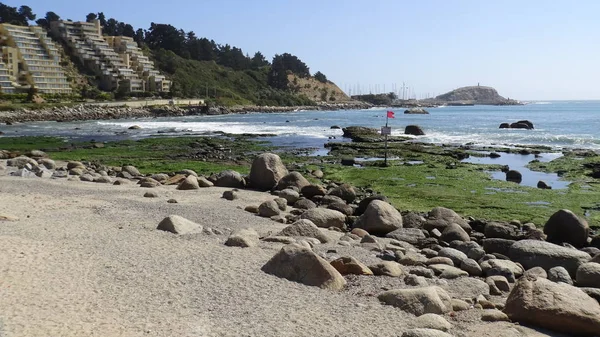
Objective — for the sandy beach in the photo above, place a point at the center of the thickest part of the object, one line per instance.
(85, 259)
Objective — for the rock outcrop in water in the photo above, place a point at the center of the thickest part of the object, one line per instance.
(475, 95)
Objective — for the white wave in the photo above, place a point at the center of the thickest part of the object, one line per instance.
(542, 103)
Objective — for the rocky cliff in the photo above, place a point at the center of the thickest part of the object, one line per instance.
(474, 95)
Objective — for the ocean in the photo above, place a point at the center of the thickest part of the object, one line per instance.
(558, 124)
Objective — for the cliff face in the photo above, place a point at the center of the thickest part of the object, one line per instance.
(317, 91)
(474, 95)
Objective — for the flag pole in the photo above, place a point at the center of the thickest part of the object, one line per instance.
(386, 140)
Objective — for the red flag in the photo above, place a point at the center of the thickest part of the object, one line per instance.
(390, 114)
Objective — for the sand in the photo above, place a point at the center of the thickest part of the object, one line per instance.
(85, 259)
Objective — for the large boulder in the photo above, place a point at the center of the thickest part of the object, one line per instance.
(514, 176)
(440, 217)
(588, 275)
(410, 235)
(268, 209)
(228, 178)
(179, 225)
(345, 192)
(244, 238)
(356, 132)
(309, 191)
(534, 253)
(419, 301)
(414, 130)
(555, 306)
(501, 230)
(454, 232)
(325, 218)
(266, 171)
(300, 264)
(379, 218)
(348, 265)
(292, 179)
(362, 205)
(189, 183)
(565, 226)
(304, 228)
(21, 161)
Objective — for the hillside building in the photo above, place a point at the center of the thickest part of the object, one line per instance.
(29, 58)
(117, 61)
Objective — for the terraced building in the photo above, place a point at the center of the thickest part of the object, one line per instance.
(29, 58)
(116, 61)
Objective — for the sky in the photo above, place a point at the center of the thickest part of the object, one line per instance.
(527, 50)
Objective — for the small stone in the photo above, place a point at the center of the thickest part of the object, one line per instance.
(460, 305)
(432, 321)
(251, 209)
(230, 195)
(243, 238)
(172, 201)
(349, 265)
(494, 315)
(151, 194)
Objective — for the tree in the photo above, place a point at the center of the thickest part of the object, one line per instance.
(91, 17)
(258, 61)
(14, 16)
(102, 19)
(277, 77)
(139, 36)
(27, 13)
(319, 76)
(45, 22)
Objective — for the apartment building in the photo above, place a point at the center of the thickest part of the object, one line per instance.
(30, 58)
(117, 61)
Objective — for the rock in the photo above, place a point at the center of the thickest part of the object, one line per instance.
(149, 183)
(472, 267)
(495, 155)
(309, 191)
(387, 268)
(555, 306)
(174, 180)
(47, 163)
(499, 283)
(440, 260)
(266, 171)
(413, 259)
(454, 232)
(379, 218)
(304, 228)
(348, 265)
(505, 126)
(318, 174)
(432, 321)
(134, 127)
(300, 264)
(131, 170)
(230, 195)
(410, 235)
(542, 184)
(496, 245)
(281, 203)
(362, 205)
(251, 208)
(421, 332)
(21, 161)
(292, 179)
(172, 201)
(179, 225)
(454, 254)
(588, 275)
(559, 274)
(565, 226)
(304, 203)
(514, 268)
(592, 292)
(268, 209)
(537, 272)
(533, 253)
(418, 301)
(325, 218)
(243, 238)
(345, 192)
(514, 176)
(188, 172)
(189, 183)
(414, 130)
(414, 280)
(355, 132)
(417, 111)
(228, 178)
(151, 194)
(289, 195)
(413, 220)
(441, 217)
(37, 154)
(447, 272)
(500, 230)
(467, 287)
(359, 232)
(203, 182)
(460, 305)
(493, 315)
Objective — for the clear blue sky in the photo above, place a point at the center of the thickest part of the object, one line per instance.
(527, 50)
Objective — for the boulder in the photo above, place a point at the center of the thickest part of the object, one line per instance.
(348, 265)
(537, 272)
(243, 238)
(414, 130)
(440, 217)
(497, 246)
(228, 178)
(131, 170)
(493, 315)
(268, 209)
(300, 264)
(559, 274)
(418, 301)
(498, 284)
(588, 275)
(505, 126)
(341, 207)
(304, 228)
(174, 180)
(413, 220)
(423, 332)
(522, 125)
(291, 196)
(542, 185)
(432, 321)
(514, 268)
(416, 111)
(309, 191)
(325, 218)
(472, 267)
(203, 182)
(189, 183)
(266, 171)
(304, 203)
(47, 163)
(555, 306)
(454, 254)
(355, 132)
(379, 218)
(447, 272)
(292, 179)
(179, 225)
(21, 161)
(410, 235)
(565, 226)
(345, 192)
(534, 253)
(500, 230)
(387, 268)
(514, 176)
(188, 172)
(454, 232)
(230, 195)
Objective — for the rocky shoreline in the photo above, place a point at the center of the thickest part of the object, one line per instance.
(439, 263)
(83, 112)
